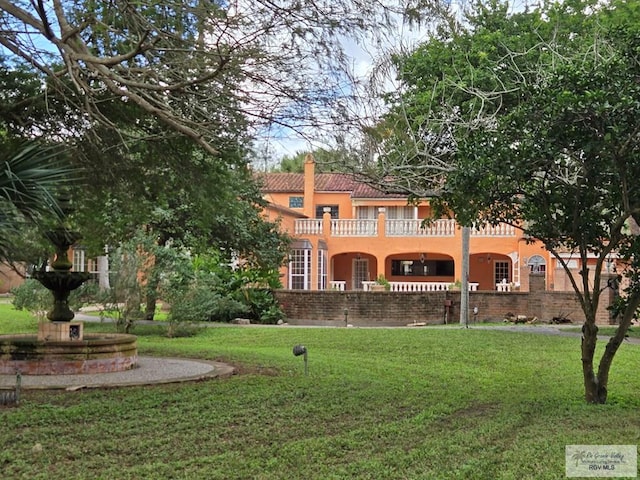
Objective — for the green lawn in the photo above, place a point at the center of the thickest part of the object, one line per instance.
(378, 404)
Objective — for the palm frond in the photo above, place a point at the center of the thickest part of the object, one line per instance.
(31, 178)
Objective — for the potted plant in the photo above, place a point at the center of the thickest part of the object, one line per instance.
(455, 286)
(381, 285)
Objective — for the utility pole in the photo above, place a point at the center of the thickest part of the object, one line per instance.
(464, 292)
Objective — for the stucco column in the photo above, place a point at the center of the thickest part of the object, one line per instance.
(326, 222)
(382, 216)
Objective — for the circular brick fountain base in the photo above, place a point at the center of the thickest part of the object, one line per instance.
(94, 353)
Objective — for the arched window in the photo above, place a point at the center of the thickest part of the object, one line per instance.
(537, 264)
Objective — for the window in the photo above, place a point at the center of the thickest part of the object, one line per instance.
(366, 213)
(501, 270)
(401, 213)
(427, 268)
(296, 202)
(320, 210)
(537, 264)
(322, 269)
(392, 213)
(78, 260)
(300, 269)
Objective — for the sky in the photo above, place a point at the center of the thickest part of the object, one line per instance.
(363, 57)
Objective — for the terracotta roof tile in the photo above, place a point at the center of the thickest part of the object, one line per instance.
(281, 182)
(324, 182)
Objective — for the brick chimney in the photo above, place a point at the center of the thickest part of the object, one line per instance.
(309, 186)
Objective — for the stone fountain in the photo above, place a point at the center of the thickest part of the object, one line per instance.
(61, 347)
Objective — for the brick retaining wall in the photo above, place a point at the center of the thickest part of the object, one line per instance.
(401, 308)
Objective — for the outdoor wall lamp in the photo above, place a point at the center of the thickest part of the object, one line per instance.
(302, 350)
(346, 314)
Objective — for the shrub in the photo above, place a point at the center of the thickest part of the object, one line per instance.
(33, 297)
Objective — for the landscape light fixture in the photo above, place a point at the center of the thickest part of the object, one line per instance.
(302, 350)
(346, 315)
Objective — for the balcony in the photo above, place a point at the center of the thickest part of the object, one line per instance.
(395, 228)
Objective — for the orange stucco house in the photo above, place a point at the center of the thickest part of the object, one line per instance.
(346, 234)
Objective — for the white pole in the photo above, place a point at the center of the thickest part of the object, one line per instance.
(464, 293)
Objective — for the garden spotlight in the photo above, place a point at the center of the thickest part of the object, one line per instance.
(302, 350)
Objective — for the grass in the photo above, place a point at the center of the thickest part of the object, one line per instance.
(160, 316)
(378, 404)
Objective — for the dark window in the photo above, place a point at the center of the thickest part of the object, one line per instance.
(296, 202)
(320, 210)
(428, 268)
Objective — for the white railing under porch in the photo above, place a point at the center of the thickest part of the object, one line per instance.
(418, 286)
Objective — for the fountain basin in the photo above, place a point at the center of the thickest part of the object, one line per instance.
(95, 353)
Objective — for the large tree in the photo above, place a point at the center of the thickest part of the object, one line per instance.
(282, 63)
(531, 118)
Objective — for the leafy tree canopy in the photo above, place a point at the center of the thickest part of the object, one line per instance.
(194, 65)
(531, 118)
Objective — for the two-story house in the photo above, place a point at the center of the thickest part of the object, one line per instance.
(346, 234)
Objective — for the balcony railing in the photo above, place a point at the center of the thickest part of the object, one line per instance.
(354, 228)
(396, 228)
(500, 230)
(418, 286)
(415, 228)
(308, 226)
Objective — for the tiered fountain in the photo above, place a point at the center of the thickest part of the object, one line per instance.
(61, 347)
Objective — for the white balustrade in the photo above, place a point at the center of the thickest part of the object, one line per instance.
(415, 228)
(339, 285)
(418, 286)
(366, 286)
(308, 226)
(354, 228)
(507, 287)
(500, 230)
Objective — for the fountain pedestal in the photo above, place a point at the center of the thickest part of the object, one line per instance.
(60, 331)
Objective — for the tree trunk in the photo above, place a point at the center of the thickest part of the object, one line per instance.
(633, 302)
(595, 386)
(150, 307)
(594, 390)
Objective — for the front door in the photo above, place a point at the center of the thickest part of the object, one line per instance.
(360, 272)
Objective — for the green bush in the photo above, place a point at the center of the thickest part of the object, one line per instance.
(262, 306)
(33, 297)
(208, 289)
(200, 303)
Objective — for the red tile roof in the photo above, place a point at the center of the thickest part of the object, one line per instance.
(324, 182)
(281, 182)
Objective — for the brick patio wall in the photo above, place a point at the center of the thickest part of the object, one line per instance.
(400, 308)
